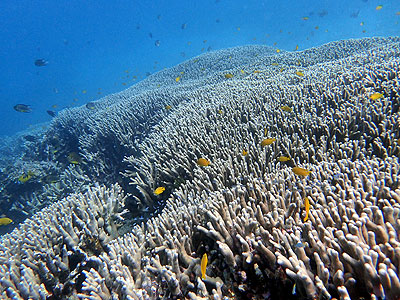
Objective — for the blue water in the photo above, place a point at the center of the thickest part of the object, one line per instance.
(94, 48)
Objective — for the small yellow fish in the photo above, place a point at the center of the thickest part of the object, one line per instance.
(203, 265)
(283, 158)
(300, 171)
(124, 83)
(177, 79)
(25, 177)
(202, 162)
(159, 190)
(168, 107)
(274, 64)
(267, 142)
(244, 152)
(242, 71)
(74, 158)
(257, 71)
(376, 96)
(265, 131)
(379, 7)
(5, 221)
(278, 50)
(281, 70)
(286, 108)
(238, 28)
(305, 18)
(297, 48)
(397, 13)
(84, 91)
(229, 75)
(219, 111)
(307, 207)
(300, 74)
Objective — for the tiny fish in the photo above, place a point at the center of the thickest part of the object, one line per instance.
(379, 7)
(5, 221)
(242, 71)
(286, 108)
(159, 190)
(203, 265)
(41, 62)
(376, 96)
(267, 142)
(168, 107)
(300, 171)
(90, 105)
(274, 64)
(84, 91)
(294, 289)
(257, 71)
(177, 79)
(297, 48)
(283, 158)
(74, 158)
(305, 18)
(202, 162)
(229, 75)
(219, 111)
(157, 43)
(244, 152)
(25, 177)
(300, 74)
(362, 24)
(278, 50)
(307, 207)
(184, 25)
(23, 108)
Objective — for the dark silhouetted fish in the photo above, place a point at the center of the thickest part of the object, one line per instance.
(157, 43)
(41, 62)
(22, 108)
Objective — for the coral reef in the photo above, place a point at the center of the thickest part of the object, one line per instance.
(245, 210)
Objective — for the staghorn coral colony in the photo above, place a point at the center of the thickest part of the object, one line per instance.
(332, 110)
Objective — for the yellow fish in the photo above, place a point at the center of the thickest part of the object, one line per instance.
(267, 142)
(242, 71)
(256, 72)
(5, 221)
(307, 207)
(283, 158)
(376, 96)
(297, 48)
(274, 64)
(379, 7)
(25, 177)
(168, 107)
(220, 111)
(305, 18)
(177, 79)
(286, 108)
(300, 171)
(300, 74)
(229, 75)
(203, 265)
(84, 91)
(397, 13)
(159, 190)
(244, 152)
(74, 158)
(202, 162)
(278, 50)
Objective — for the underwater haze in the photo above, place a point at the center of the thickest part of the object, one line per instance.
(90, 49)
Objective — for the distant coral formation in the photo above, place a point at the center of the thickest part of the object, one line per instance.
(245, 209)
